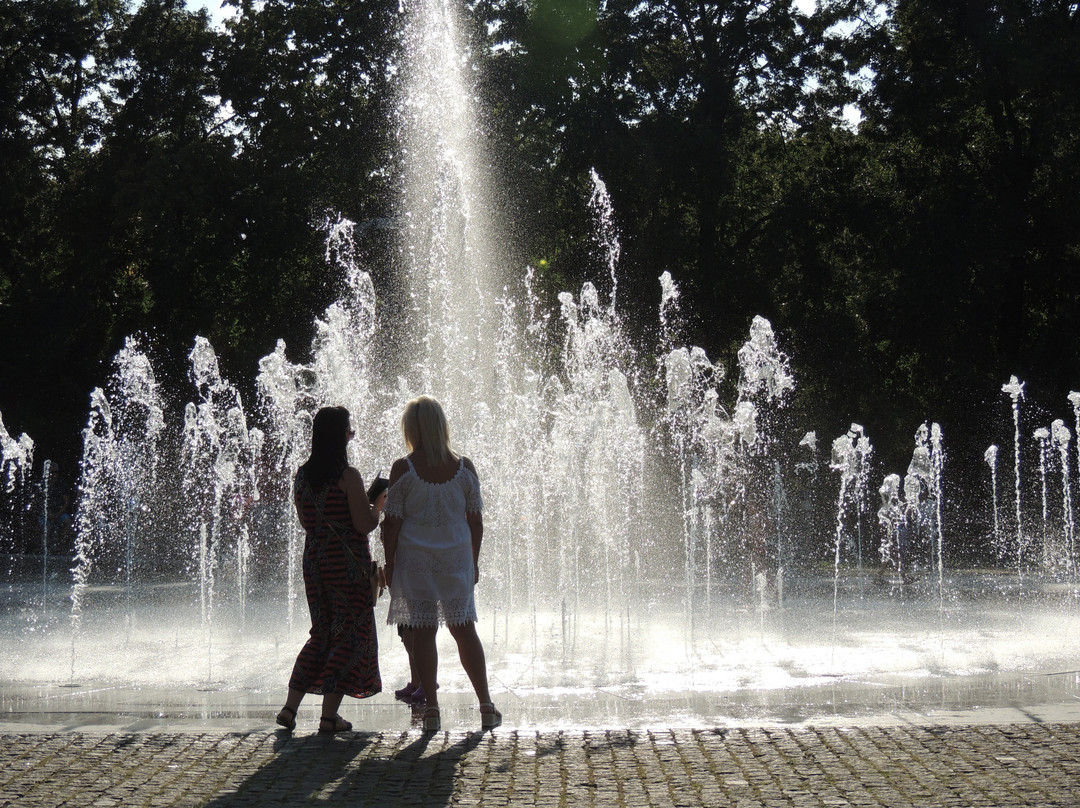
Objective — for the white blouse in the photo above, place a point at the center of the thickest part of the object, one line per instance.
(433, 568)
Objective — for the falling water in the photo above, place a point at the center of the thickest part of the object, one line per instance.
(16, 465)
(891, 518)
(220, 482)
(448, 236)
(119, 494)
(848, 454)
(990, 456)
(1074, 399)
(46, 480)
(1015, 390)
(286, 409)
(1042, 440)
(1061, 438)
(863, 452)
(937, 474)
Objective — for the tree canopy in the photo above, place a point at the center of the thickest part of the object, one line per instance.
(164, 176)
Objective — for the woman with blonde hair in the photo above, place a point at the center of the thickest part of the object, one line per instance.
(432, 533)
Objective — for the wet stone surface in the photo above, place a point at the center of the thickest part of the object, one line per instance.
(1028, 764)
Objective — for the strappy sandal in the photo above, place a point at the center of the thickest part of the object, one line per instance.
(287, 718)
(432, 719)
(329, 724)
(489, 716)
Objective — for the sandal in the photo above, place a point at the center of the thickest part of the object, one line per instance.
(489, 716)
(432, 720)
(287, 718)
(329, 724)
(418, 696)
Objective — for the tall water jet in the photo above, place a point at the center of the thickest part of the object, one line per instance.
(806, 475)
(286, 405)
(1061, 438)
(1042, 441)
(850, 458)
(1074, 399)
(1014, 388)
(923, 491)
(996, 539)
(46, 523)
(764, 385)
(445, 212)
(891, 519)
(937, 474)
(220, 484)
(119, 494)
(16, 465)
(691, 406)
(606, 234)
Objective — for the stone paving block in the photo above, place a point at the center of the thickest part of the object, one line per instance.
(1015, 765)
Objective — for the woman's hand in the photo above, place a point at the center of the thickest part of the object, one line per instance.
(363, 518)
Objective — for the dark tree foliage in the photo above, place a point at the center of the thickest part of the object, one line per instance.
(53, 67)
(163, 176)
(972, 125)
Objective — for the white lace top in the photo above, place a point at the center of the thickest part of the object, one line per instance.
(433, 568)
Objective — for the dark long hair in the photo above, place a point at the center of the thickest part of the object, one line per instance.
(329, 442)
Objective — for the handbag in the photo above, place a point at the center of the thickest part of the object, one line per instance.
(378, 581)
(376, 577)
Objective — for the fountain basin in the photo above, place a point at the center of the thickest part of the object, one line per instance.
(888, 652)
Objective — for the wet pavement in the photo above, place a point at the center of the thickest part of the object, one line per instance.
(994, 740)
(1012, 697)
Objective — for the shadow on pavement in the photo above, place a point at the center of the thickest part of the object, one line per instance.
(358, 768)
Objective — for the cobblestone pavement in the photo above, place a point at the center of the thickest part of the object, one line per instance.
(987, 765)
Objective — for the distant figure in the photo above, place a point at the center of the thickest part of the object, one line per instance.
(432, 535)
(341, 655)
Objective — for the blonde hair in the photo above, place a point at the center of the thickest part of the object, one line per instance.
(424, 426)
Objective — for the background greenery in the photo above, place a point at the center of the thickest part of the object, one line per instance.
(161, 176)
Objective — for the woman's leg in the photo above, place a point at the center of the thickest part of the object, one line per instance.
(286, 716)
(294, 698)
(471, 654)
(330, 704)
(426, 656)
(330, 720)
(414, 673)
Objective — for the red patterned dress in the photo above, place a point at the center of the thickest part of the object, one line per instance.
(341, 654)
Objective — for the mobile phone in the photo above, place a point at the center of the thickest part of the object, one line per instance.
(378, 485)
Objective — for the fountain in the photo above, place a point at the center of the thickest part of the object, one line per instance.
(16, 467)
(643, 536)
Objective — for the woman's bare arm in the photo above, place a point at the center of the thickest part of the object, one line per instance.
(475, 520)
(365, 516)
(297, 500)
(391, 525)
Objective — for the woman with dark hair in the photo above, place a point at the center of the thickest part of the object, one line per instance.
(341, 655)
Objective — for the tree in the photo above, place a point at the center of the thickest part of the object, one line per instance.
(668, 100)
(974, 117)
(54, 57)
